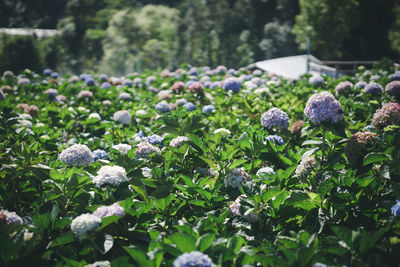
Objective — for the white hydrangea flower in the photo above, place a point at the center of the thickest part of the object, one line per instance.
(123, 116)
(95, 115)
(83, 109)
(25, 116)
(113, 175)
(178, 141)
(305, 166)
(265, 170)
(77, 155)
(105, 211)
(122, 148)
(236, 177)
(39, 125)
(84, 223)
(11, 217)
(25, 123)
(141, 112)
(222, 131)
(99, 264)
(145, 149)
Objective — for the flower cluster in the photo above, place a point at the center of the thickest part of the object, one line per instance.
(373, 88)
(178, 141)
(265, 171)
(393, 88)
(162, 106)
(360, 85)
(112, 210)
(316, 79)
(222, 131)
(236, 177)
(193, 259)
(389, 114)
(77, 155)
(343, 87)
(396, 209)
(124, 96)
(85, 94)
(154, 139)
(178, 87)
(122, 148)
(84, 223)
(208, 109)
(275, 118)
(306, 165)
(232, 84)
(10, 217)
(196, 87)
(99, 264)
(123, 116)
(275, 139)
(32, 110)
(112, 175)
(356, 147)
(144, 149)
(323, 108)
(99, 154)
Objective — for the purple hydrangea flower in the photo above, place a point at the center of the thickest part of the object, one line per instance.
(47, 72)
(275, 139)
(232, 84)
(54, 75)
(190, 106)
(137, 81)
(124, 96)
(181, 101)
(215, 85)
(275, 118)
(389, 114)
(205, 68)
(395, 76)
(150, 80)
(89, 81)
(105, 85)
(162, 106)
(11, 217)
(154, 139)
(221, 69)
(127, 82)
(393, 88)
(193, 259)
(343, 87)
(323, 108)
(360, 85)
(112, 210)
(373, 88)
(396, 208)
(208, 108)
(99, 154)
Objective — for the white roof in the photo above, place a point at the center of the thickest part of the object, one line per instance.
(24, 31)
(293, 67)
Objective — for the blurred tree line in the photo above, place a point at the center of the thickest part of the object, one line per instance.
(121, 36)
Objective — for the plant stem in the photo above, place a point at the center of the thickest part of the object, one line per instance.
(322, 148)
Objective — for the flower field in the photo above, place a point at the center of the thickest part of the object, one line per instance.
(200, 167)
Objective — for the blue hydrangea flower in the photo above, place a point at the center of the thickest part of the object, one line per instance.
(215, 85)
(193, 259)
(162, 106)
(47, 72)
(84, 76)
(373, 88)
(99, 154)
(395, 76)
(396, 209)
(232, 84)
(54, 75)
(190, 106)
(208, 108)
(105, 85)
(275, 118)
(275, 139)
(205, 68)
(154, 139)
(89, 81)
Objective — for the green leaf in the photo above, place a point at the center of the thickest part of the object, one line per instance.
(375, 157)
(141, 191)
(205, 241)
(184, 242)
(63, 239)
(139, 256)
(237, 163)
